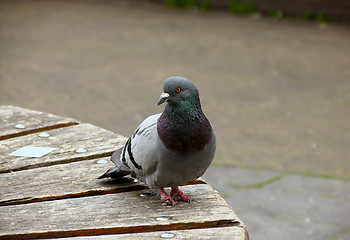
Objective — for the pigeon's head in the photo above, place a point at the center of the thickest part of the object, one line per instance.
(177, 90)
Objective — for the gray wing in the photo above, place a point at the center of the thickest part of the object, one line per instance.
(140, 151)
(138, 156)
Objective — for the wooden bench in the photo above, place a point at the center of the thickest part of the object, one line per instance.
(58, 195)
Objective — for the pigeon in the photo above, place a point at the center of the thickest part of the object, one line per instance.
(171, 148)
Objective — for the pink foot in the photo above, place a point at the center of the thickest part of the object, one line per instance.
(164, 197)
(176, 192)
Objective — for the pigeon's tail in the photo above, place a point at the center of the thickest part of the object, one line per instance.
(116, 156)
(115, 172)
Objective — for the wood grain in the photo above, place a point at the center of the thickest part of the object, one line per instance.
(62, 181)
(125, 212)
(34, 121)
(232, 233)
(97, 141)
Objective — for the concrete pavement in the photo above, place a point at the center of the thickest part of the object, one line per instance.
(275, 205)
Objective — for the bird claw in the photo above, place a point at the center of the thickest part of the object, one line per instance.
(165, 197)
(175, 192)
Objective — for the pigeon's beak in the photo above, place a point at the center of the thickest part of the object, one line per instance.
(163, 97)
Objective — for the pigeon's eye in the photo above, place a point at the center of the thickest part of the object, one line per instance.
(178, 90)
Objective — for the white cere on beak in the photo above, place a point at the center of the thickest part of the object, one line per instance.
(163, 97)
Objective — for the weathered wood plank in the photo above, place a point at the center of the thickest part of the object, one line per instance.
(232, 233)
(61, 181)
(97, 141)
(32, 121)
(115, 214)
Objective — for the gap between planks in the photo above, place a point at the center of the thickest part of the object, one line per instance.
(37, 130)
(123, 230)
(69, 196)
(63, 161)
(63, 181)
(88, 193)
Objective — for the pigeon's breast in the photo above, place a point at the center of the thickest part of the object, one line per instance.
(185, 135)
(176, 168)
